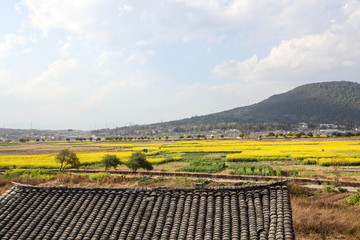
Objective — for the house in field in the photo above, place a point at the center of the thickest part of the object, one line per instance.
(251, 212)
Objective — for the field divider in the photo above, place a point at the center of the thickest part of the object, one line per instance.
(214, 176)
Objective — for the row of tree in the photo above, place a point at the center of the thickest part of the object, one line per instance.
(311, 134)
(137, 160)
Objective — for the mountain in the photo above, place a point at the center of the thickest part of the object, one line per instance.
(326, 102)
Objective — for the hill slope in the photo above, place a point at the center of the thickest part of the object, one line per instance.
(327, 102)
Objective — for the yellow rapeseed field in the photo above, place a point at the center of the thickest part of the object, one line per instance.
(48, 160)
(321, 152)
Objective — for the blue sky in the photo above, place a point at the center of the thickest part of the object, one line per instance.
(89, 64)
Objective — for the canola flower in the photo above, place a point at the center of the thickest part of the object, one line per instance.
(343, 161)
(320, 152)
(157, 161)
(48, 160)
(324, 153)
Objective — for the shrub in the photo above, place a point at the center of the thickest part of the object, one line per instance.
(138, 160)
(355, 199)
(29, 174)
(204, 181)
(144, 179)
(327, 188)
(13, 174)
(342, 190)
(110, 161)
(100, 176)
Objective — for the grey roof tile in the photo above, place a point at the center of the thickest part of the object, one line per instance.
(253, 212)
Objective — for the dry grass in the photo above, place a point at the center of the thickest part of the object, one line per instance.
(325, 216)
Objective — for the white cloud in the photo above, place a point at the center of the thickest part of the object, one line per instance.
(111, 90)
(4, 77)
(10, 42)
(83, 17)
(185, 93)
(65, 49)
(105, 55)
(171, 21)
(46, 86)
(27, 51)
(298, 58)
(125, 9)
(239, 9)
(140, 57)
(273, 13)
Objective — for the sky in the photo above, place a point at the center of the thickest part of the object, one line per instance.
(91, 64)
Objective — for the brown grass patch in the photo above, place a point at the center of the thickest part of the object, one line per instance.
(325, 216)
(44, 148)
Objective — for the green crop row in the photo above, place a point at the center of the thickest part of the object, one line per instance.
(204, 165)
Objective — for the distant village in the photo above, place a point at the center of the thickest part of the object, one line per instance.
(301, 130)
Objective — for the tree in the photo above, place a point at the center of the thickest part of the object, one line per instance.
(299, 134)
(66, 157)
(138, 160)
(348, 134)
(110, 161)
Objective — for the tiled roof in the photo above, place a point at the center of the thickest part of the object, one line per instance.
(254, 212)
